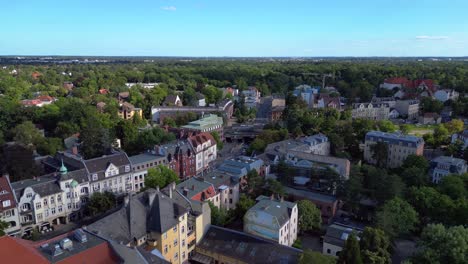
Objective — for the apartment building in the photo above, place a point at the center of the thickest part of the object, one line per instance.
(444, 165)
(461, 137)
(251, 96)
(180, 158)
(399, 147)
(273, 219)
(152, 219)
(390, 101)
(198, 189)
(408, 108)
(317, 144)
(8, 206)
(227, 186)
(335, 238)
(140, 165)
(372, 111)
(208, 123)
(205, 150)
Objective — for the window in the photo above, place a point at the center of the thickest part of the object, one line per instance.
(25, 206)
(39, 217)
(165, 236)
(46, 213)
(175, 242)
(127, 168)
(174, 228)
(68, 195)
(29, 195)
(67, 185)
(230, 201)
(176, 256)
(183, 229)
(165, 249)
(183, 242)
(60, 209)
(69, 206)
(136, 178)
(230, 191)
(38, 205)
(183, 255)
(95, 177)
(52, 211)
(328, 251)
(59, 198)
(45, 201)
(52, 200)
(6, 203)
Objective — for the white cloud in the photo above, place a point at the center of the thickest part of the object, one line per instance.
(169, 8)
(431, 37)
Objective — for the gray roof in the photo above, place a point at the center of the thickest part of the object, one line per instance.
(394, 138)
(44, 185)
(80, 176)
(338, 233)
(247, 248)
(164, 214)
(144, 158)
(449, 160)
(279, 210)
(313, 196)
(193, 186)
(219, 178)
(100, 164)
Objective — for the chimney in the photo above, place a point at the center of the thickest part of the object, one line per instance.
(151, 196)
(170, 192)
(282, 199)
(74, 150)
(126, 199)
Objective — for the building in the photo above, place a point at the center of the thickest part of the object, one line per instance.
(239, 168)
(325, 100)
(399, 147)
(446, 94)
(408, 108)
(140, 165)
(251, 96)
(227, 186)
(172, 100)
(372, 111)
(205, 150)
(430, 119)
(390, 101)
(394, 114)
(335, 238)
(159, 113)
(39, 101)
(200, 100)
(8, 206)
(149, 218)
(128, 111)
(208, 123)
(180, 158)
(396, 83)
(307, 93)
(222, 245)
(462, 137)
(443, 166)
(327, 204)
(318, 144)
(273, 219)
(197, 189)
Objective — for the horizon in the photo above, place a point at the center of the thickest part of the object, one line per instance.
(259, 29)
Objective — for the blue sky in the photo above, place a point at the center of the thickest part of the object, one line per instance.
(235, 27)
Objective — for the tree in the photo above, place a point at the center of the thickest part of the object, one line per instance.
(397, 217)
(27, 134)
(160, 177)
(416, 161)
(309, 216)
(100, 202)
(440, 135)
(244, 204)
(440, 244)
(380, 153)
(312, 257)
(3, 226)
(351, 253)
(219, 216)
(254, 181)
(275, 187)
(405, 129)
(219, 142)
(453, 186)
(454, 126)
(386, 126)
(414, 176)
(431, 205)
(375, 246)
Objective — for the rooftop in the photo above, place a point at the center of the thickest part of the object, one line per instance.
(205, 122)
(338, 233)
(279, 210)
(450, 160)
(394, 138)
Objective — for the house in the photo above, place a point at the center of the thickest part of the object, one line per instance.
(128, 111)
(240, 166)
(335, 238)
(324, 100)
(372, 111)
(399, 147)
(396, 83)
(204, 149)
(251, 96)
(68, 86)
(393, 114)
(430, 119)
(172, 100)
(39, 101)
(197, 189)
(103, 91)
(200, 100)
(273, 219)
(446, 94)
(408, 108)
(306, 92)
(227, 185)
(140, 165)
(390, 101)
(230, 90)
(180, 158)
(149, 218)
(462, 137)
(123, 96)
(8, 206)
(443, 166)
(317, 144)
(207, 123)
(222, 245)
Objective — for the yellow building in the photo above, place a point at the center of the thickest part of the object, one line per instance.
(127, 111)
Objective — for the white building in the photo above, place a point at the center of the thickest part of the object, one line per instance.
(8, 206)
(443, 166)
(446, 94)
(204, 146)
(335, 238)
(372, 111)
(227, 186)
(272, 219)
(318, 144)
(140, 165)
(463, 137)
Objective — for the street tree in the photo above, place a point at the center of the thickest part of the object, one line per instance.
(309, 216)
(375, 246)
(160, 177)
(351, 253)
(397, 217)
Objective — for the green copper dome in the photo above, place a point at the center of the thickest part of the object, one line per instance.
(63, 170)
(74, 184)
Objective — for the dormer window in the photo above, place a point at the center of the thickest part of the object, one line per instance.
(127, 168)
(112, 170)
(95, 177)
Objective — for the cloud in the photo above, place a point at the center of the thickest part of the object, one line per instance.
(431, 37)
(169, 8)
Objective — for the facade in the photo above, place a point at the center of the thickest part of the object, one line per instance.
(273, 219)
(8, 206)
(446, 94)
(408, 108)
(180, 158)
(318, 144)
(227, 186)
(204, 148)
(152, 219)
(335, 238)
(399, 147)
(208, 123)
(430, 119)
(251, 96)
(222, 245)
(140, 165)
(462, 137)
(443, 166)
(372, 111)
(306, 92)
(390, 101)
(197, 189)
(128, 111)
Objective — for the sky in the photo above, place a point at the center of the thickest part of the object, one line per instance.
(236, 28)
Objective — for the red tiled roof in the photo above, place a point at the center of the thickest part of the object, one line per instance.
(208, 193)
(103, 91)
(45, 98)
(19, 251)
(201, 138)
(31, 102)
(397, 80)
(6, 193)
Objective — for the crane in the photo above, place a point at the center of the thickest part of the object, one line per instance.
(323, 75)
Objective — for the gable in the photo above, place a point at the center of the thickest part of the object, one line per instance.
(111, 170)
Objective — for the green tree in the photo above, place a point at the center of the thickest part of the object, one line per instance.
(275, 187)
(100, 202)
(453, 186)
(309, 216)
(3, 226)
(454, 126)
(27, 134)
(405, 129)
(380, 154)
(312, 257)
(254, 182)
(244, 204)
(440, 244)
(414, 176)
(440, 135)
(415, 161)
(375, 246)
(217, 138)
(160, 177)
(351, 253)
(397, 217)
(219, 216)
(386, 126)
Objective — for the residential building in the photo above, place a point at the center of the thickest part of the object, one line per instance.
(172, 100)
(128, 111)
(273, 219)
(307, 93)
(222, 245)
(408, 108)
(317, 144)
(150, 218)
(8, 206)
(180, 158)
(159, 113)
(390, 101)
(324, 100)
(430, 119)
(140, 165)
(239, 168)
(200, 100)
(393, 114)
(396, 83)
(399, 147)
(39, 101)
(335, 238)
(372, 111)
(443, 166)
(205, 150)
(227, 186)
(462, 137)
(197, 189)
(251, 96)
(446, 94)
(208, 123)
